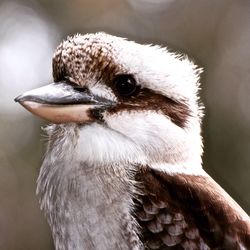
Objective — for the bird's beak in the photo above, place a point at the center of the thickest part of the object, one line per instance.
(62, 102)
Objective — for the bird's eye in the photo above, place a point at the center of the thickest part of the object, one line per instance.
(126, 85)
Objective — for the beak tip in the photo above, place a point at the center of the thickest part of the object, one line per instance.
(18, 98)
(21, 98)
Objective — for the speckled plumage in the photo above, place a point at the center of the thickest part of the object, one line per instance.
(84, 57)
(131, 176)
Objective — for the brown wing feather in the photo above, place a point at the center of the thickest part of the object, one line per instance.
(188, 212)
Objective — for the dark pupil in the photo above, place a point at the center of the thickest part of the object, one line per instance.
(125, 85)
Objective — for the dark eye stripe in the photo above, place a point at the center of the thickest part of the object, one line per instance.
(147, 99)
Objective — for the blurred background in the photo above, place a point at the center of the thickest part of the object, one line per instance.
(215, 34)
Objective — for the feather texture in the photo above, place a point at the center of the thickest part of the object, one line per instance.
(188, 212)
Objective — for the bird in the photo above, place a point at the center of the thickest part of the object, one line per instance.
(123, 165)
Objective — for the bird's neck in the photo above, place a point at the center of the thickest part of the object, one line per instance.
(87, 198)
(87, 206)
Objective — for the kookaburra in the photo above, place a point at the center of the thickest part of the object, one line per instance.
(123, 166)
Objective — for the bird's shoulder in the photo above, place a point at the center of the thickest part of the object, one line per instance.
(188, 212)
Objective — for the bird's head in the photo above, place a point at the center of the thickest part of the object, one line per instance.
(130, 102)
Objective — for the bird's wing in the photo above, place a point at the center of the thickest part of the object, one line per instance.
(188, 212)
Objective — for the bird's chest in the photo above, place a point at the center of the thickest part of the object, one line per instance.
(89, 207)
